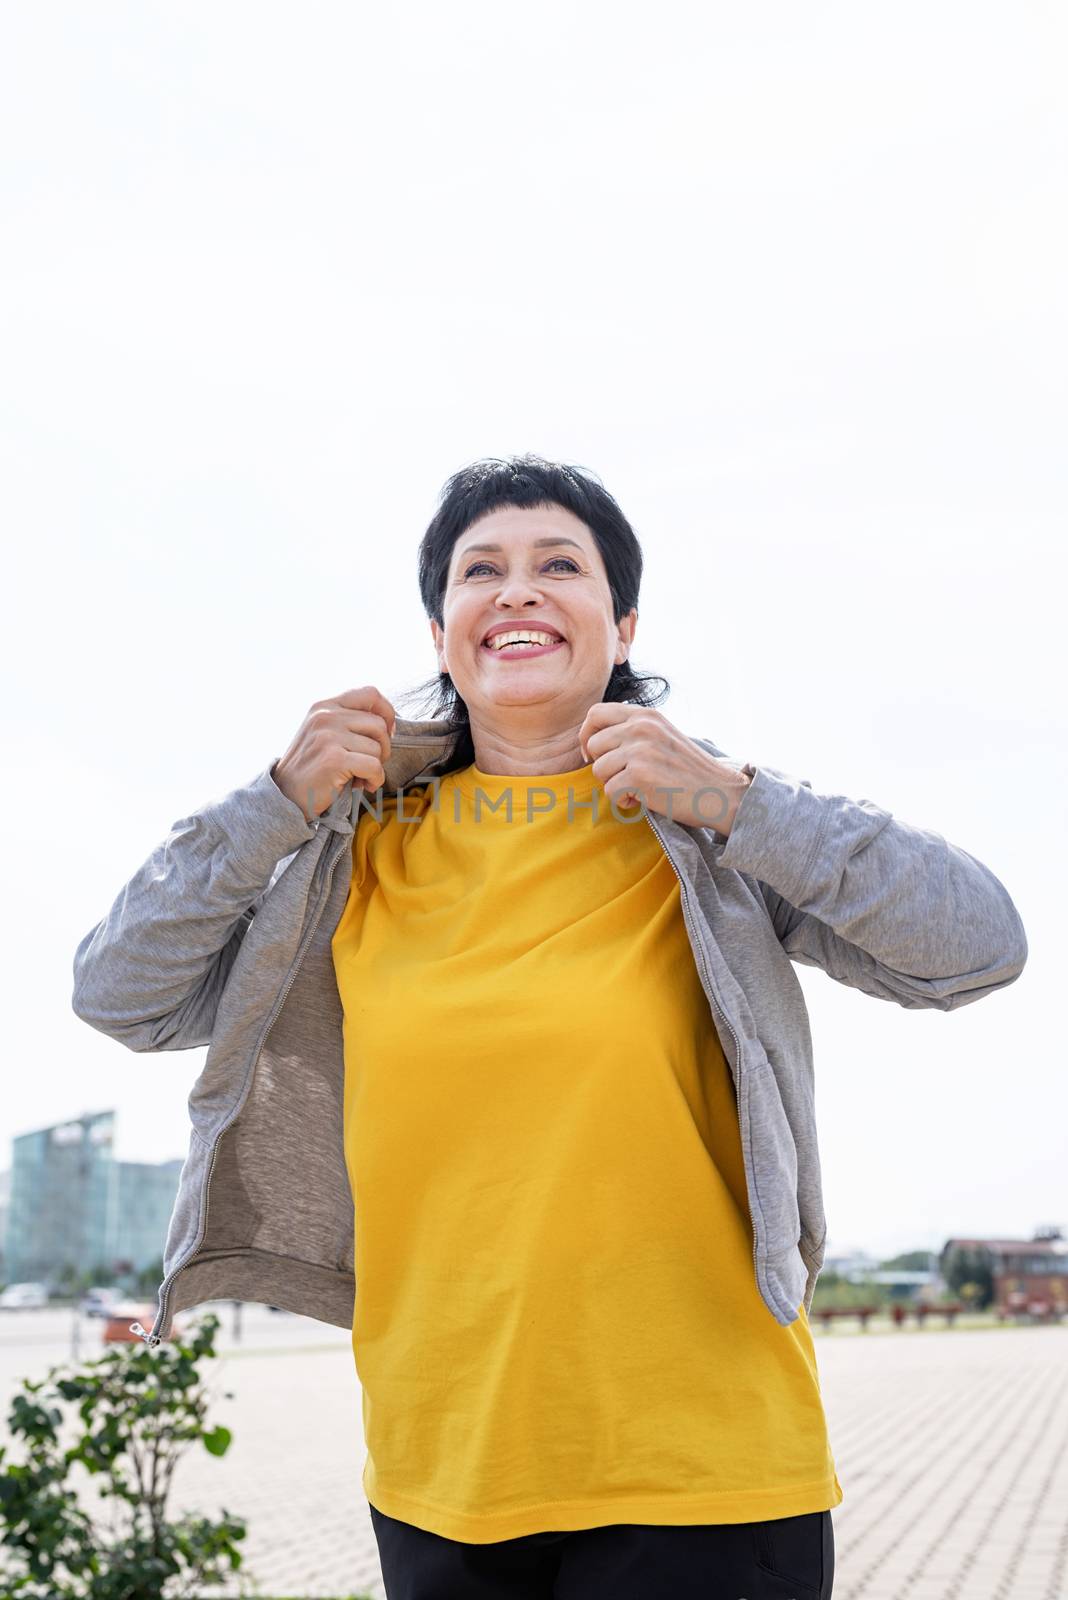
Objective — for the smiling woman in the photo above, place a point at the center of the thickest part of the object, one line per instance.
(527, 543)
(529, 1101)
(567, 1103)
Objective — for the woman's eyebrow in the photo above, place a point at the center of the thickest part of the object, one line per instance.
(538, 545)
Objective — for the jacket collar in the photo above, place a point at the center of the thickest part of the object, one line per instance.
(416, 748)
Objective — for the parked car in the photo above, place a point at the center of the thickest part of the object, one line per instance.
(23, 1297)
(120, 1315)
(98, 1302)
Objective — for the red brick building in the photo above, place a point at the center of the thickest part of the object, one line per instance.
(1028, 1275)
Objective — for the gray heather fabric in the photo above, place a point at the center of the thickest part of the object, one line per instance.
(222, 938)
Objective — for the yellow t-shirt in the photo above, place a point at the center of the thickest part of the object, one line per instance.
(556, 1323)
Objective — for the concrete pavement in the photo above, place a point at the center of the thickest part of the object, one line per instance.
(951, 1447)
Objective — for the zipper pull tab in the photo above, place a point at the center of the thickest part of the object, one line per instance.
(150, 1339)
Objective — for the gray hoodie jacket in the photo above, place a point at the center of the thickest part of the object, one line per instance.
(222, 938)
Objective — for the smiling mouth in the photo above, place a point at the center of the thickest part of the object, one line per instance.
(519, 650)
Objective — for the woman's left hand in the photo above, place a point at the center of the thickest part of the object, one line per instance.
(640, 758)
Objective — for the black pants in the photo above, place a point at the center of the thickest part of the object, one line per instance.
(783, 1558)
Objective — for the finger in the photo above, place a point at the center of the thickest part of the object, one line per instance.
(609, 765)
(365, 766)
(372, 715)
(367, 725)
(605, 714)
(598, 741)
(368, 698)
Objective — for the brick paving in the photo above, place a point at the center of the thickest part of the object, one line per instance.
(951, 1448)
(952, 1452)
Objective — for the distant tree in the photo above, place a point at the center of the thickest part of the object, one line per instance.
(963, 1265)
(911, 1261)
(148, 1280)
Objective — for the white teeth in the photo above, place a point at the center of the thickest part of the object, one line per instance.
(500, 640)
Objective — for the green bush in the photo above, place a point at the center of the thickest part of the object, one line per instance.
(831, 1290)
(137, 1410)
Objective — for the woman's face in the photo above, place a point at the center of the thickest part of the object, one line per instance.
(528, 567)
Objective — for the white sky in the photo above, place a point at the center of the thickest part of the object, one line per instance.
(790, 280)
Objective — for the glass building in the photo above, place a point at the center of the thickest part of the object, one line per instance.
(74, 1209)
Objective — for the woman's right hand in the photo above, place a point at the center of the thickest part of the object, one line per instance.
(348, 737)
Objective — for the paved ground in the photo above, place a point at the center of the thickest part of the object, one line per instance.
(951, 1447)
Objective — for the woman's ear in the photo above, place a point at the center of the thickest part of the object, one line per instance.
(437, 633)
(626, 626)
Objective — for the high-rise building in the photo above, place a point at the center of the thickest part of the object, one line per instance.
(74, 1209)
(146, 1194)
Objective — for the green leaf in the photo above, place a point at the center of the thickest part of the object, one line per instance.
(218, 1440)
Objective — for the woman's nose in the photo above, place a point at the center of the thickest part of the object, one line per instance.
(518, 591)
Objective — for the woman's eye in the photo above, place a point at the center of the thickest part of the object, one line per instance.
(551, 563)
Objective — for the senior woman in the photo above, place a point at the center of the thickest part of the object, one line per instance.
(577, 1117)
(568, 1370)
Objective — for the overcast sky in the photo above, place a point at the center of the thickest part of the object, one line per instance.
(789, 280)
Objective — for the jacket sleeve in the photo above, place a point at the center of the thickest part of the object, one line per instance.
(151, 972)
(880, 905)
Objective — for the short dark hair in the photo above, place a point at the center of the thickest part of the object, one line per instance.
(528, 481)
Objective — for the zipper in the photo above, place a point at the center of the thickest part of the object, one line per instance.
(710, 991)
(153, 1338)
